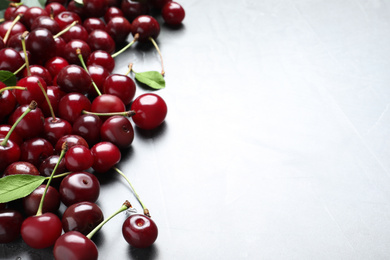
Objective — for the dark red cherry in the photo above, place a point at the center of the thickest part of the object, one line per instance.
(55, 64)
(46, 22)
(82, 217)
(72, 105)
(41, 44)
(146, 26)
(66, 18)
(70, 51)
(55, 128)
(76, 8)
(73, 78)
(50, 204)
(19, 10)
(119, 29)
(4, 129)
(92, 23)
(8, 13)
(31, 125)
(8, 154)
(10, 60)
(112, 12)
(159, 4)
(31, 14)
(71, 140)
(77, 32)
(21, 168)
(121, 86)
(5, 26)
(78, 158)
(47, 167)
(101, 58)
(101, 40)
(98, 75)
(76, 246)
(7, 101)
(78, 187)
(173, 13)
(88, 127)
(139, 231)
(54, 94)
(132, 9)
(33, 91)
(105, 156)
(60, 46)
(107, 103)
(62, 2)
(117, 130)
(15, 42)
(41, 231)
(36, 150)
(150, 111)
(39, 71)
(95, 8)
(54, 8)
(10, 223)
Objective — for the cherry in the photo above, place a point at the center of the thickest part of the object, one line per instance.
(73, 78)
(112, 12)
(8, 154)
(78, 158)
(21, 168)
(88, 127)
(10, 60)
(54, 94)
(54, 8)
(62, 2)
(99, 75)
(82, 217)
(39, 71)
(33, 91)
(46, 22)
(101, 58)
(101, 40)
(105, 156)
(7, 101)
(107, 103)
(159, 4)
(36, 150)
(2, 45)
(31, 14)
(10, 223)
(76, 246)
(41, 44)
(118, 28)
(150, 111)
(60, 46)
(92, 23)
(19, 10)
(146, 26)
(71, 140)
(76, 8)
(132, 9)
(9, 13)
(66, 18)
(139, 231)
(95, 8)
(76, 32)
(121, 86)
(50, 204)
(117, 130)
(4, 129)
(15, 42)
(31, 125)
(78, 187)
(17, 28)
(72, 105)
(173, 13)
(41, 231)
(71, 51)
(47, 166)
(55, 128)
(55, 64)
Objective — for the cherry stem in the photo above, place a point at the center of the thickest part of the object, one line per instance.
(62, 154)
(78, 52)
(32, 106)
(8, 33)
(25, 52)
(59, 175)
(124, 207)
(20, 69)
(159, 52)
(136, 36)
(11, 88)
(65, 30)
(130, 69)
(47, 100)
(2, 20)
(146, 211)
(126, 113)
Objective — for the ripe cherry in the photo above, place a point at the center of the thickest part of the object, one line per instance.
(31, 14)
(112, 12)
(54, 8)
(88, 127)
(21, 168)
(107, 103)
(33, 91)
(71, 140)
(105, 156)
(66, 18)
(150, 111)
(91, 24)
(47, 167)
(76, 32)
(8, 154)
(146, 26)
(101, 40)
(70, 51)
(55, 64)
(101, 58)
(5, 26)
(41, 44)
(10, 60)
(36, 150)
(139, 231)
(76, 246)
(78, 158)
(121, 86)
(31, 125)
(98, 75)
(72, 105)
(132, 9)
(82, 217)
(95, 8)
(46, 22)
(54, 94)
(4, 129)
(55, 128)
(7, 101)
(50, 204)
(39, 71)
(117, 130)
(73, 78)
(10, 223)
(173, 13)
(119, 29)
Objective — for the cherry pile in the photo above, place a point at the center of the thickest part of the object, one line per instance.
(65, 117)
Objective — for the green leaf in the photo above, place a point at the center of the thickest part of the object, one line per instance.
(14, 187)
(7, 77)
(151, 78)
(3, 5)
(42, 2)
(31, 3)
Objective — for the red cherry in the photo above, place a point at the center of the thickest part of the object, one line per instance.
(139, 231)
(119, 29)
(71, 140)
(88, 127)
(105, 156)
(70, 51)
(4, 129)
(101, 40)
(72, 105)
(66, 18)
(101, 58)
(50, 204)
(55, 64)
(8, 154)
(36, 150)
(150, 111)
(5, 26)
(132, 9)
(117, 130)
(7, 101)
(46, 22)
(95, 8)
(10, 60)
(73, 78)
(112, 12)
(31, 125)
(21, 168)
(55, 128)
(10, 223)
(54, 8)
(78, 158)
(41, 44)
(77, 32)
(33, 91)
(54, 94)
(82, 217)
(121, 86)
(173, 13)
(31, 14)
(91, 24)
(98, 75)
(107, 103)
(39, 71)
(146, 26)
(76, 246)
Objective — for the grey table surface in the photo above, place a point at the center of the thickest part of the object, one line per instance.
(276, 144)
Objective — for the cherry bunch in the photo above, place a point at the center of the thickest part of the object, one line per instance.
(65, 117)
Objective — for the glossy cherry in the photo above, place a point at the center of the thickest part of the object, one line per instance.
(4, 129)
(117, 130)
(54, 8)
(91, 24)
(36, 150)
(121, 86)
(39, 71)
(101, 58)
(107, 103)
(78, 187)
(82, 217)
(41, 231)
(33, 91)
(55, 128)
(47, 167)
(99, 75)
(55, 64)
(46, 22)
(77, 32)
(159, 4)
(21, 167)
(10, 223)
(41, 44)
(10, 60)
(7, 101)
(76, 246)
(118, 28)
(95, 8)
(73, 78)
(54, 94)
(101, 40)
(70, 51)
(78, 158)
(112, 12)
(66, 18)
(31, 125)
(139, 231)
(132, 9)
(8, 154)
(5, 26)
(146, 26)
(173, 13)
(88, 127)
(50, 204)
(71, 140)
(31, 14)
(72, 105)
(105, 156)
(150, 111)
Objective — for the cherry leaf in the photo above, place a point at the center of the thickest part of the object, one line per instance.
(31, 3)
(152, 79)
(7, 77)
(17, 186)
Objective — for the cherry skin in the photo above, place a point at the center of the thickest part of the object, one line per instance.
(10, 60)
(21, 168)
(55, 64)
(7, 101)
(54, 94)
(118, 28)
(4, 129)
(31, 14)
(107, 103)
(76, 8)
(78, 187)
(76, 246)
(173, 13)
(50, 204)
(73, 78)
(77, 32)
(46, 22)
(33, 91)
(19, 10)
(8, 154)
(47, 167)
(15, 42)
(41, 44)
(72, 105)
(36, 150)
(159, 4)
(39, 71)
(41, 231)
(139, 231)
(55, 128)
(98, 75)
(78, 158)
(31, 125)
(88, 127)
(60, 45)
(2, 45)
(101, 40)
(95, 8)
(8, 13)
(146, 26)
(70, 51)
(150, 111)
(118, 130)
(5, 26)
(121, 86)
(82, 217)
(101, 58)
(10, 223)
(92, 23)
(112, 12)
(105, 156)
(71, 140)
(66, 18)
(54, 8)
(132, 9)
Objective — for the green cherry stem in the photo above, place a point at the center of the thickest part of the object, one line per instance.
(59, 175)
(126, 113)
(47, 100)
(2, 20)
(24, 35)
(8, 33)
(78, 52)
(136, 36)
(65, 30)
(63, 151)
(159, 52)
(32, 106)
(20, 69)
(124, 207)
(11, 88)
(146, 211)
